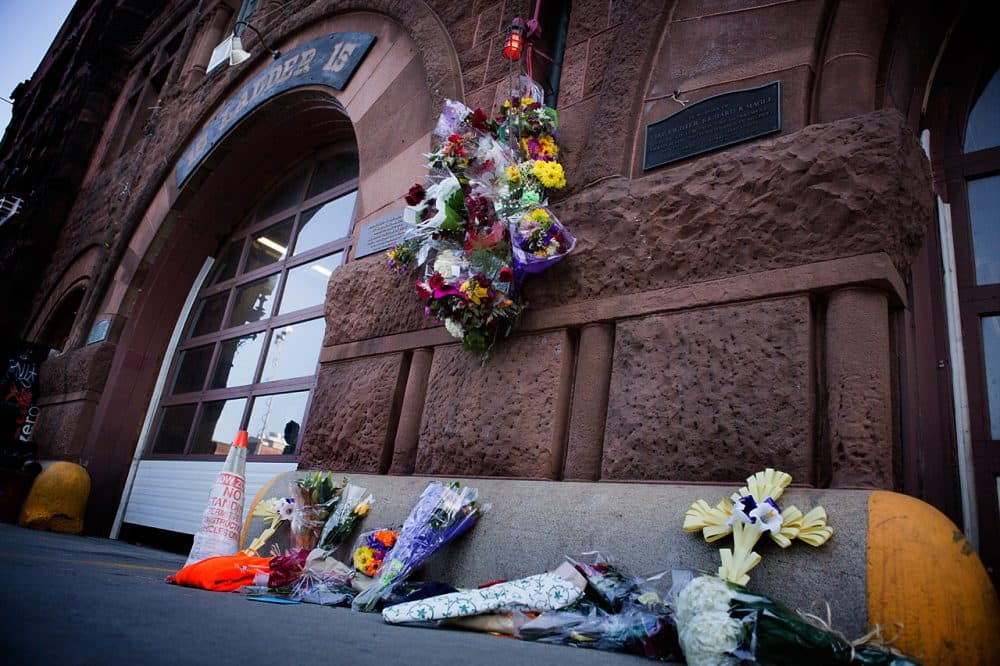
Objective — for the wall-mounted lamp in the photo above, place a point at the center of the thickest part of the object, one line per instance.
(514, 43)
(238, 55)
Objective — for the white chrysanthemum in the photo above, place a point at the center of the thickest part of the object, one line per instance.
(286, 508)
(703, 594)
(454, 328)
(449, 264)
(708, 638)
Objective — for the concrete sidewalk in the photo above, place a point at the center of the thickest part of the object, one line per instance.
(79, 600)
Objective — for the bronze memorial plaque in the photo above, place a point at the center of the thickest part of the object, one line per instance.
(713, 123)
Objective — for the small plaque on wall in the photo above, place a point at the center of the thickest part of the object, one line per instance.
(381, 234)
(713, 123)
(99, 331)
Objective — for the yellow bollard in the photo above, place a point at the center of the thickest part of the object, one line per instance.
(926, 584)
(57, 500)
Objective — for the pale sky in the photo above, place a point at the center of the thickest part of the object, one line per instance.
(27, 28)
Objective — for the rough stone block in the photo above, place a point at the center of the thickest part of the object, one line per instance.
(62, 428)
(598, 51)
(841, 189)
(364, 299)
(712, 395)
(83, 369)
(353, 414)
(587, 19)
(501, 419)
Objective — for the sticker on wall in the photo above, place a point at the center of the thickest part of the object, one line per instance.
(329, 61)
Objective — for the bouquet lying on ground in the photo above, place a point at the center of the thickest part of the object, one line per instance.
(442, 513)
(620, 613)
(482, 224)
(721, 623)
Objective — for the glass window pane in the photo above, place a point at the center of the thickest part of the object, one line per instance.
(192, 370)
(269, 245)
(175, 424)
(325, 223)
(253, 301)
(284, 196)
(275, 421)
(983, 129)
(332, 172)
(984, 216)
(218, 425)
(293, 351)
(225, 264)
(237, 361)
(991, 355)
(207, 315)
(306, 285)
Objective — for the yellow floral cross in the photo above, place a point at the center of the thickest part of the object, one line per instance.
(747, 515)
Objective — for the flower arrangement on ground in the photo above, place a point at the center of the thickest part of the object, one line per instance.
(315, 495)
(274, 511)
(354, 504)
(368, 557)
(441, 514)
(720, 623)
(482, 224)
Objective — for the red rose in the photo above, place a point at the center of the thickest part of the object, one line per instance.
(436, 281)
(506, 274)
(478, 120)
(423, 290)
(416, 194)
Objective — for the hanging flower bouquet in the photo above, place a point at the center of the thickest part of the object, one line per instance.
(481, 224)
(441, 514)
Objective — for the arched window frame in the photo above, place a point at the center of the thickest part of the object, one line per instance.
(245, 235)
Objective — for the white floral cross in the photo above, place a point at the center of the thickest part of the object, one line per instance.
(752, 511)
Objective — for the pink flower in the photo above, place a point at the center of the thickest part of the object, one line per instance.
(424, 290)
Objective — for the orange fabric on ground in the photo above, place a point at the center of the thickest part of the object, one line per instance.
(225, 573)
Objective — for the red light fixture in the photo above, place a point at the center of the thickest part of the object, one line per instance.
(514, 43)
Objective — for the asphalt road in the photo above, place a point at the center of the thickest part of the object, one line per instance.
(76, 600)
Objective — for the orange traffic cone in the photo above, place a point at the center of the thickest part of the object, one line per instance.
(220, 524)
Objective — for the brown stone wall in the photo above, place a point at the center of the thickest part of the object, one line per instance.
(506, 418)
(70, 386)
(707, 395)
(351, 420)
(692, 317)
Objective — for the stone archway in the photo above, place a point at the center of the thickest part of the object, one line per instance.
(182, 227)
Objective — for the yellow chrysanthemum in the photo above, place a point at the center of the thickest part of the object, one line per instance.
(526, 102)
(539, 215)
(547, 146)
(513, 175)
(364, 557)
(550, 174)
